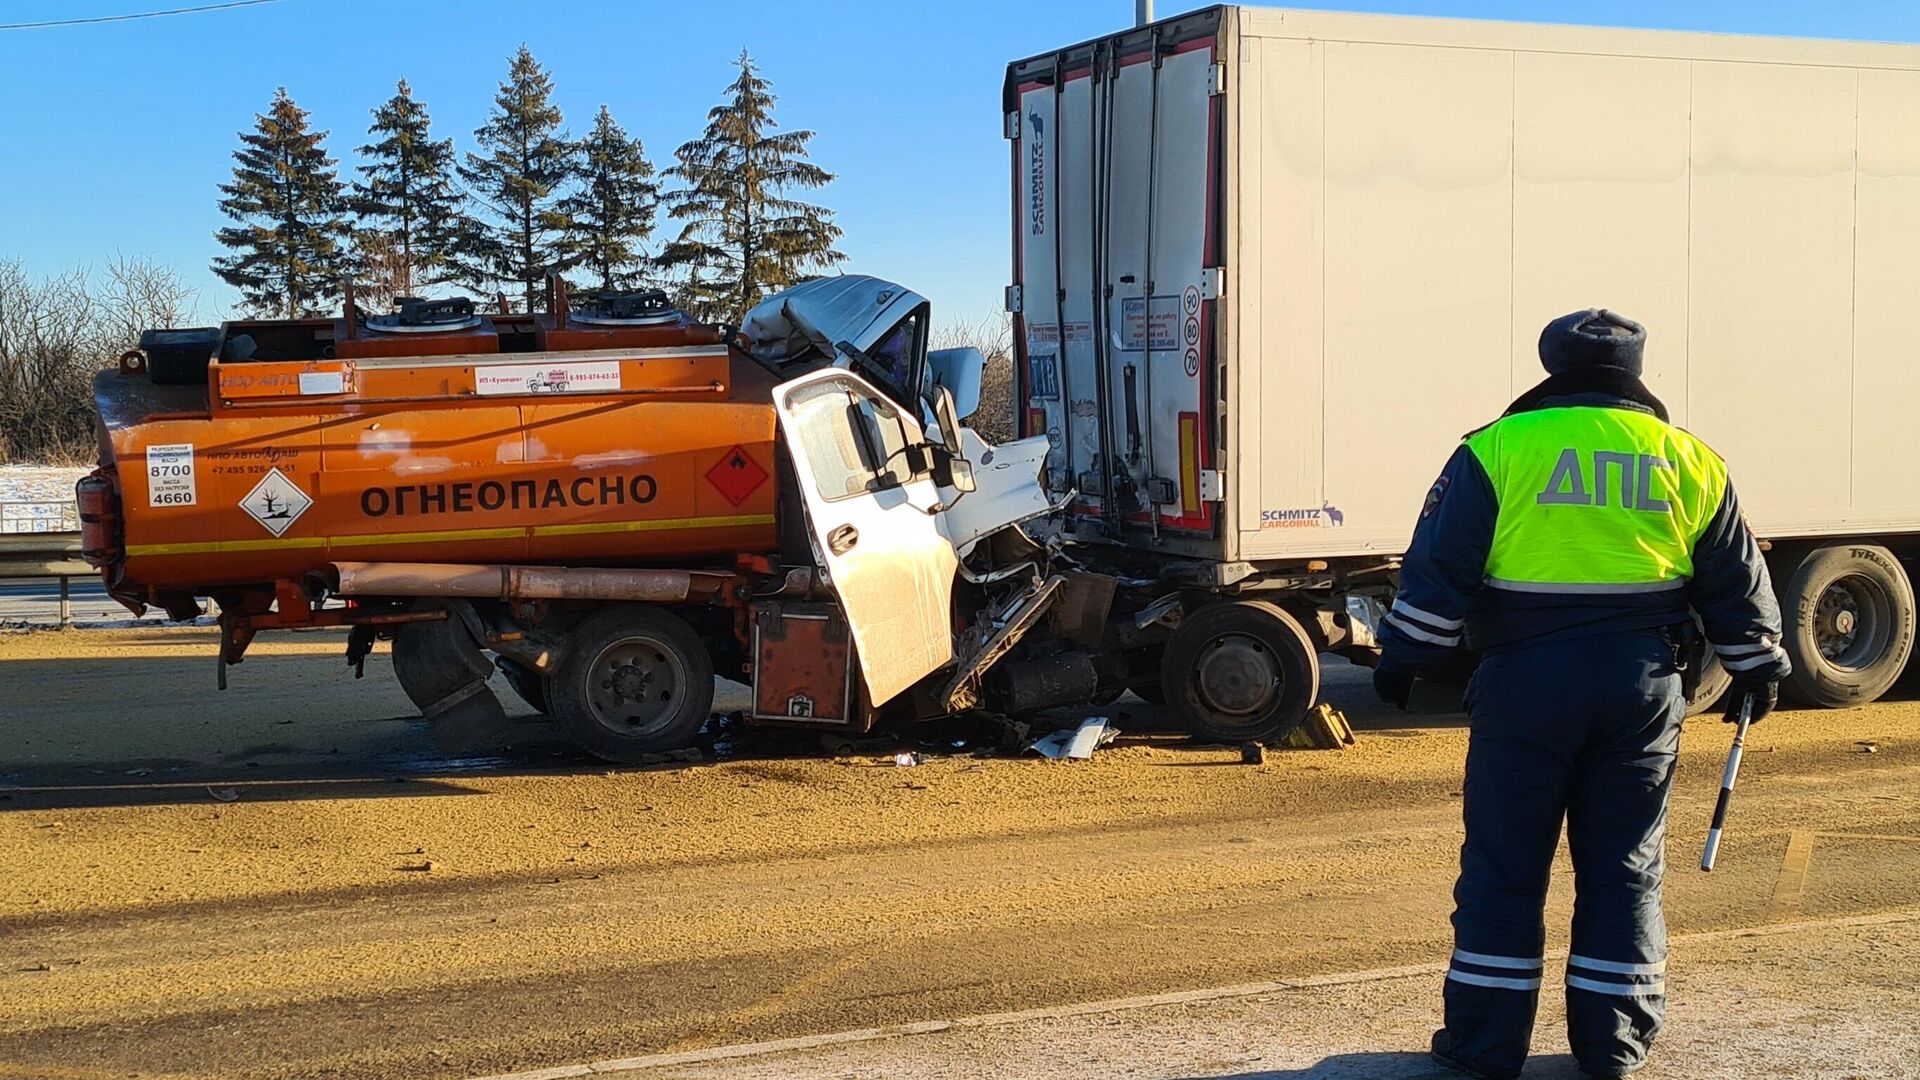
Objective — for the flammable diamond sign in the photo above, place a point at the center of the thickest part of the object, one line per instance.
(736, 475)
(276, 502)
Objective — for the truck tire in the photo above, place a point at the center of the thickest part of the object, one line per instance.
(636, 680)
(1849, 624)
(532, 687)
(1714, 680)
(1240, 671)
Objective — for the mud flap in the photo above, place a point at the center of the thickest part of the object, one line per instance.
(444, 672)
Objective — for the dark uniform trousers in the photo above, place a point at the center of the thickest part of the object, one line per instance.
(1583, 729)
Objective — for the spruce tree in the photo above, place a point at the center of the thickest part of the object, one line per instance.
(410, 211)
(744, 237)
(289, 248)
(611, 212)
(523, 162)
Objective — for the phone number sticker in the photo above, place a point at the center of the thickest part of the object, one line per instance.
(170, 475)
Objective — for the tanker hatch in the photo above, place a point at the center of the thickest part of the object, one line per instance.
(645, 307)
(419, 316)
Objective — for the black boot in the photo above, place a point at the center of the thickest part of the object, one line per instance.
(1442, 1052)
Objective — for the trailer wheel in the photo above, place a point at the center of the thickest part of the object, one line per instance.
(636, 680)
(1850, 624)
(1243, 671)
(1714, 680)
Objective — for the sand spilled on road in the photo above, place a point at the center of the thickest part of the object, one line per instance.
(365, 830)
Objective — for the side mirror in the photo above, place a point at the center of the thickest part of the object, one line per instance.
(960, 371)
(953, 469)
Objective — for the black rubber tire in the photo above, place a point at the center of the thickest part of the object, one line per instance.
(1263, 635)
(1714, 680)
(669, 642)
(1875, 653)
(532, 687)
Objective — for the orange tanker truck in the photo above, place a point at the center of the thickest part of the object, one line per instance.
(609, 503)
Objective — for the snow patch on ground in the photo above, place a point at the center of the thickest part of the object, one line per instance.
(38, 498)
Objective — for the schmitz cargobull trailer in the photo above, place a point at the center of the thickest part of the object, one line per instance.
(1269, 266)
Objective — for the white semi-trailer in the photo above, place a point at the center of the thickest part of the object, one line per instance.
(1270, 265)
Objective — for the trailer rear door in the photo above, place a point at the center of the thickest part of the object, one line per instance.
(1117, 271)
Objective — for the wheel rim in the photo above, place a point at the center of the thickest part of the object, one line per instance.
(1238, 675)
(1852, 622)
(635, 685)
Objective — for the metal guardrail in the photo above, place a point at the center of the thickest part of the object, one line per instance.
(45, 555)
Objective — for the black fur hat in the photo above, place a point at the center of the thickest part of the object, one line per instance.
(1592, 338)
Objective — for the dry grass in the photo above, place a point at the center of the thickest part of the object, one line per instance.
(993, 336)
(56, 332)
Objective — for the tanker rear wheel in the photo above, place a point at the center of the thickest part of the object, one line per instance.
(1240, 671)
(636, 680)
(533, 687)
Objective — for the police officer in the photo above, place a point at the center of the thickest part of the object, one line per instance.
(1565, 542)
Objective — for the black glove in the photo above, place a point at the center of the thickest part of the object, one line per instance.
(1393, 681)
(1765, 692)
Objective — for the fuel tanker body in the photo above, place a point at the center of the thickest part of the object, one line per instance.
(456, 481)
(432, 434)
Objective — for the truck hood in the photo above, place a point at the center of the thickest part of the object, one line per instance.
(808, 321)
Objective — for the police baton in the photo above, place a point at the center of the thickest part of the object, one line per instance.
(1726, 784)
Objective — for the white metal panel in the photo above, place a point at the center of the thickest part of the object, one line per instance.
(1886, 389)
(1601, 151)
(1419, 205)
(1771, 372)
(1277, 455)
(1565, 40)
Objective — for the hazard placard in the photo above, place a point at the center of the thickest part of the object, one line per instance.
(276, 502)
(736, 475)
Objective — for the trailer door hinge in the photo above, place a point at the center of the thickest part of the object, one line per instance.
(1013, 300)
(1213, 485)
(1216, 80)
(1213, 282)
(1013, 125)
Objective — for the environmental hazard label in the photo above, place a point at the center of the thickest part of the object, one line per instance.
(170, 475)
(276, 502)
(736, 475)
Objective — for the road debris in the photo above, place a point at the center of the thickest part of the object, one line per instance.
(907, 759)
(426, 867)
(1253, 754)
(224, 794)
(1325, 728)
(1868, 746)
(1075, 744)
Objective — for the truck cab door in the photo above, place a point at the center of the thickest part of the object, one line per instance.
(873, 516)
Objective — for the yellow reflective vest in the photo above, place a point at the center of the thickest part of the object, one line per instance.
(1595, 500)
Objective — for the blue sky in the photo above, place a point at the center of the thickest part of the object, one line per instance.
(113, 137)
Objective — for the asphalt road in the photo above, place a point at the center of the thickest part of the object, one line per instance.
(288, 882)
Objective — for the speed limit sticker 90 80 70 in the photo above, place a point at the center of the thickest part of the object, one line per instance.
(170, 475)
